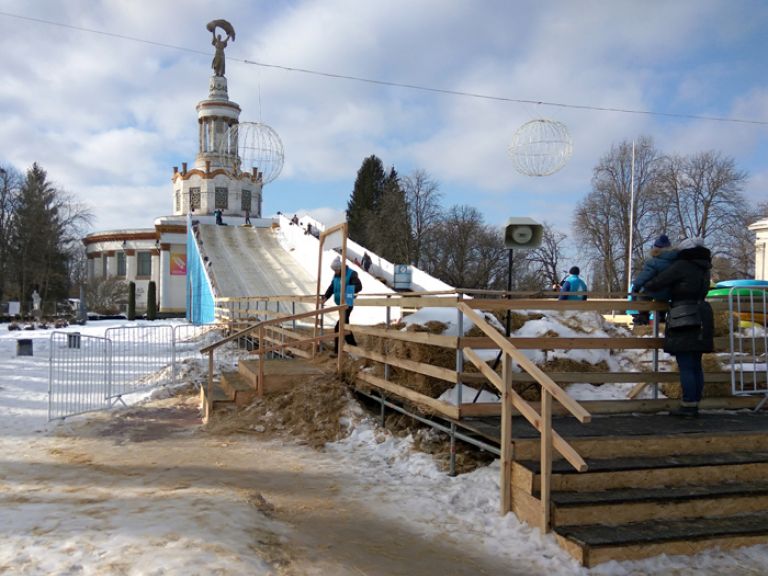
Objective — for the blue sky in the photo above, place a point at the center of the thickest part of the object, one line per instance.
(109, 117)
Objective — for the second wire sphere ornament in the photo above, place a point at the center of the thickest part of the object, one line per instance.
(258, 147)
(540, 147)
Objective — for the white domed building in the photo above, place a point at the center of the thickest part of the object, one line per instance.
(214, 183)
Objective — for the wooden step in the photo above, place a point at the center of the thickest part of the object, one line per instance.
(219, 400)
(238, 388)
(612, 507)
(219, 395)
(651, 435)
(646, 472)
(594, 544)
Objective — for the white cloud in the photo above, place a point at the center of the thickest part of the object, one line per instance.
(107, 116)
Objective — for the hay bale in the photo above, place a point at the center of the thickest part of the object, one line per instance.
(310, 410)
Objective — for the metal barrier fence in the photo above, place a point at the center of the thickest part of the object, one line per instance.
(90, 373)
(748, 339)
(79, 374)
(142, 357)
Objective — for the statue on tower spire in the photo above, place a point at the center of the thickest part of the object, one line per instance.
(218, 63)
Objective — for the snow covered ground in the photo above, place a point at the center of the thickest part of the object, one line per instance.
(78, 499)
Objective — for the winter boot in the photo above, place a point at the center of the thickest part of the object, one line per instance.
(686, 411)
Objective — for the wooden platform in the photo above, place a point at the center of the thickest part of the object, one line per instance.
(278, 374)
(655, 484)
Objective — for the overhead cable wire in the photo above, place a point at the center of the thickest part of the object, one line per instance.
(392, 84)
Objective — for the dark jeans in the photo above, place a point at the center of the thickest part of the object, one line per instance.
(349, 338)
(691, 375)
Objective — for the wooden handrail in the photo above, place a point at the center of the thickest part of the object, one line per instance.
(527, 411)
(526, 364)
(542, 422)
(260, 327)
(281, 319)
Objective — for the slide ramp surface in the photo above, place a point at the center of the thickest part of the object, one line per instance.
(249, 261)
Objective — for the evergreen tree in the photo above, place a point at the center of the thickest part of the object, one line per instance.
(363, 205)
(389, 231)
(41, 235)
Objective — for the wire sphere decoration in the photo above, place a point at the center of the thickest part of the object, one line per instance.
(258, 148)
(540, 147)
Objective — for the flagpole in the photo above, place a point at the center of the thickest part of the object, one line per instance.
(631, 217)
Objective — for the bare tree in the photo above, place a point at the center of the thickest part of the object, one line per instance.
(704, 198)
(10, 184)
(544, 261)
(465, 252)
(107, 295)
(602, 221)
(423, 199)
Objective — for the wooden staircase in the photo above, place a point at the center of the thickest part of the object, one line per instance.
(236, 389)
(655, 484)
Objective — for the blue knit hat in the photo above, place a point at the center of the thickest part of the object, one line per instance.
(662, 242)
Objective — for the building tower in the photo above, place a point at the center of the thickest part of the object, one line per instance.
(216, 181)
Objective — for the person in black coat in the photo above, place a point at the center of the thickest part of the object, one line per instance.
(689, 328)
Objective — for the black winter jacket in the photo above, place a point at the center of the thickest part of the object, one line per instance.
(687, 280)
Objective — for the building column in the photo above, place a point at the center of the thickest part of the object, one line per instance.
(130, 265)
(164, 286)
(111, 257)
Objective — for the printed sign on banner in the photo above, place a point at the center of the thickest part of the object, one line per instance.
(178, 264)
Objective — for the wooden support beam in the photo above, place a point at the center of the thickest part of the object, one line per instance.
(473, 378)
(533, 304)
(557, 343)
(430, 404)
(413, 366)
(601, 407)
(407, 302)
(415, 337)
(507, 455)
(546, 459)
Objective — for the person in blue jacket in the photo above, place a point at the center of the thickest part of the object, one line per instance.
(352, 285)
(662, 255)
(572, 283)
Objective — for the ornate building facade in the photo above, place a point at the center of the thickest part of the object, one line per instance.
(159, 254)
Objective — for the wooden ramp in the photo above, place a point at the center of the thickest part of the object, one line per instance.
(655, 484)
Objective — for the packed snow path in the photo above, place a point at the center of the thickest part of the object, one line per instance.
(250, 261)
(142, 490)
